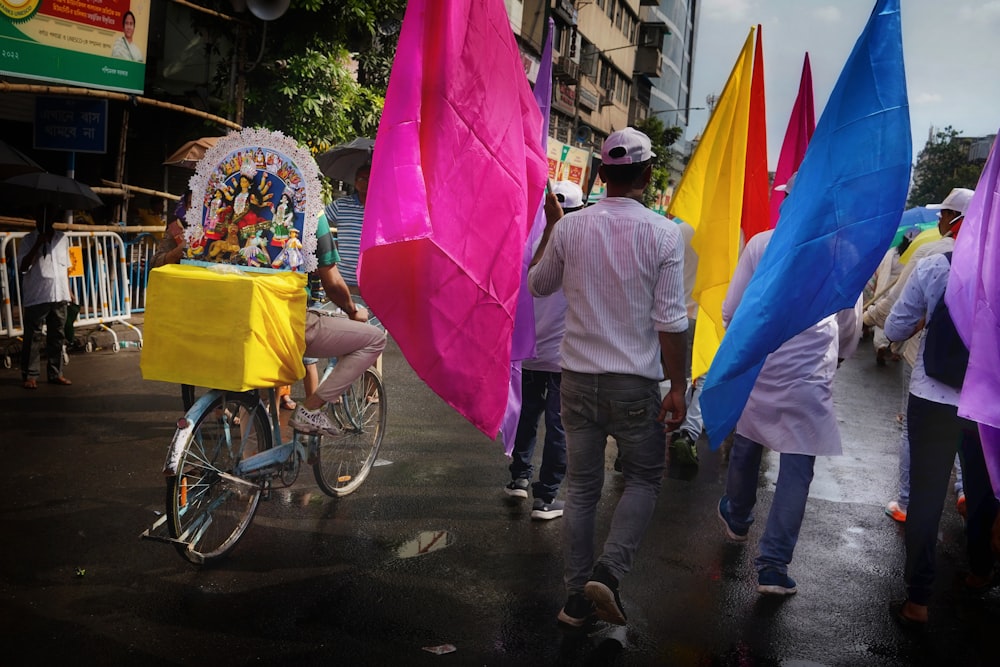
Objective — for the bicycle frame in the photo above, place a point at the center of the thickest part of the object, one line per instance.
(264, 464)
(213, 491)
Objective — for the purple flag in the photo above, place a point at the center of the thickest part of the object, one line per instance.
(523, 342)
(973, 299)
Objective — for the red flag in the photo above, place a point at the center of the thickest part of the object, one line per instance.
(754, 217)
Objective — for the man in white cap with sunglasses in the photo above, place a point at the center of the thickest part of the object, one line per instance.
(952, 214)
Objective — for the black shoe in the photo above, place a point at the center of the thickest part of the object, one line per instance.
(577, 611)
(518, 488)
(602, 590)
(683, 450)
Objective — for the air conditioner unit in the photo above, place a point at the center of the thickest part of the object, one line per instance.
(607, 100)
(569, 67)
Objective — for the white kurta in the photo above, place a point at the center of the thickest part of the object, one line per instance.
(790, 409)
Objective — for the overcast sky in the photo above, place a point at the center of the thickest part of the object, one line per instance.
(950, 49)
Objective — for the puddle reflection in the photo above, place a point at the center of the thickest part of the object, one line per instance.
(424, 543)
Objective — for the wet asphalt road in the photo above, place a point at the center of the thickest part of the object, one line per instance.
(429, 551)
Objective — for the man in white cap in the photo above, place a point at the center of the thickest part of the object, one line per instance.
(952, 213)
(936, 432)
(621, 267)
(541, 377)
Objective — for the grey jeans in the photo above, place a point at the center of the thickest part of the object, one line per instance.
(53, 316)
(355, 344)
(594, 407)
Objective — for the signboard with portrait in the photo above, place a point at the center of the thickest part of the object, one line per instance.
(567, 163)
(255, 201)
(92, 43)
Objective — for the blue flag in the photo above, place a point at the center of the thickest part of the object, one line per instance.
(834, 227)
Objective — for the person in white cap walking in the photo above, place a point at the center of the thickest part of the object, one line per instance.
(936, 433)
(541, 377)
(621, 268)
(952, 213)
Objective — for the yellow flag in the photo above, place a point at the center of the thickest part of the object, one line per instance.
(710, 198)
(926, 236)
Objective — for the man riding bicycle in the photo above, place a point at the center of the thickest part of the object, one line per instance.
(354, 343)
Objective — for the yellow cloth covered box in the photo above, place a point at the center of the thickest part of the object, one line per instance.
(224, 331)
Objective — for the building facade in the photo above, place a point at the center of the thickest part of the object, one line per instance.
(614, 63)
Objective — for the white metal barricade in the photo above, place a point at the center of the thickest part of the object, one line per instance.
(140, 255)
(11, 296)
(100, 288)
(103, 292)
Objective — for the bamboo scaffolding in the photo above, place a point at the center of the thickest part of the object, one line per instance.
(121, 189)
(38, 89)
(15, 224)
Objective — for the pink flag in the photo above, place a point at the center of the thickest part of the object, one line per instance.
(800, 130)
(457, 176)
(973, 299)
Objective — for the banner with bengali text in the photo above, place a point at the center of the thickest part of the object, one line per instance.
(92, 43)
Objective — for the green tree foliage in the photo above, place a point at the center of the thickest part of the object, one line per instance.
(662, 138)
(301, 78)
(943, 165)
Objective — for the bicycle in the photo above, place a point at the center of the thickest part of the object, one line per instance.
(222, 460)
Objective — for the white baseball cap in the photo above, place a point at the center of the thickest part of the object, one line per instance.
(569, 194)
(787, 187)
(628, 146)
(957, 200)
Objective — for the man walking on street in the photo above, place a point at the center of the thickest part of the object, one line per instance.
(620, 266)
(541, 377)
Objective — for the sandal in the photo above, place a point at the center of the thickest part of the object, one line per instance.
(905, 622)
(30, 384)
(287, 403)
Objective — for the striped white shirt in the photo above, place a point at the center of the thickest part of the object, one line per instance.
(347, 214)
(621, 267)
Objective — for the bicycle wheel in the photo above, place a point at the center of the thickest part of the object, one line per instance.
(343, 462)
(208, 508)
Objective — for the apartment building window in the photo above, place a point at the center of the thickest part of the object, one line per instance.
(614, 84)
(602, 4)
(610, 9)
(622, 90)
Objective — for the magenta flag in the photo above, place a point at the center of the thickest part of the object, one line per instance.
(457, 175)
(801, 126)
(973, 299)
(523, 342)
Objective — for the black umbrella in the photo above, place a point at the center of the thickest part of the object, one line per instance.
(14, 162)
(341, 162)
(61, 192)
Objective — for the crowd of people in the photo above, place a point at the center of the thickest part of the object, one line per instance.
(621, 337)
(614, 317)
